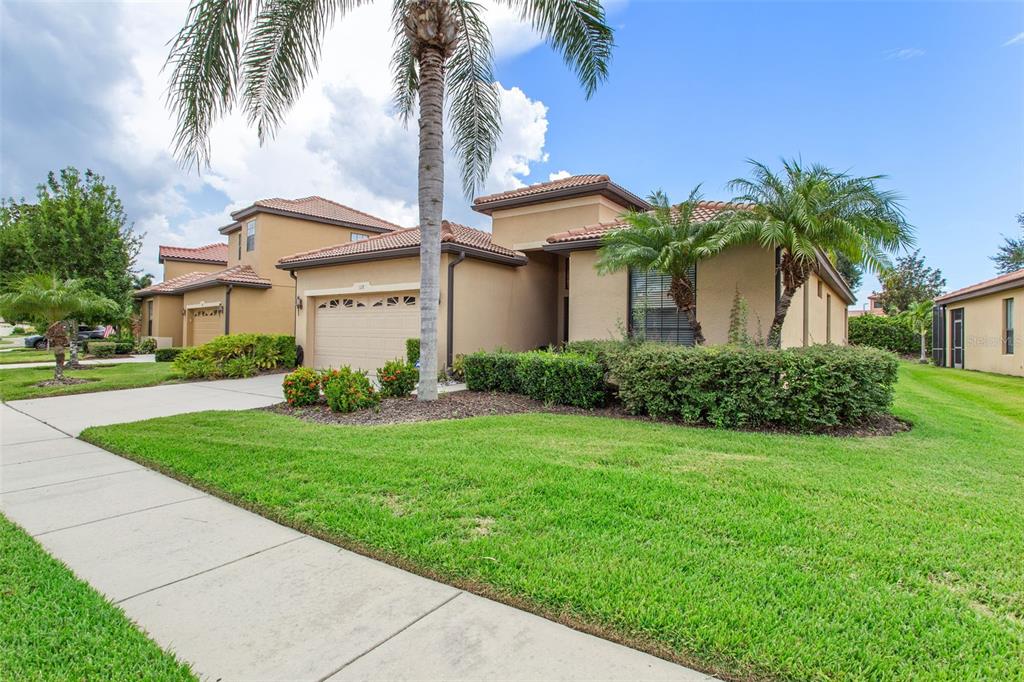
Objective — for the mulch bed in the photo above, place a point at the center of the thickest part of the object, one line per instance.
(66, 381)
(464, 404)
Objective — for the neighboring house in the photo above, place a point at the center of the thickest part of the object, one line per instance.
(235, 287)
(874, 307)
(531, 282)
(975, 327)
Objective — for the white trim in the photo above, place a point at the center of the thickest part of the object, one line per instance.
(363, 288)
(529, 246)
(204, 304)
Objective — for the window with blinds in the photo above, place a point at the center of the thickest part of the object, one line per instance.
(653, 314)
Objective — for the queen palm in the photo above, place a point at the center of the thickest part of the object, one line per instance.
(812, 212)
(919, 315)
(53, 303)
(668, 240)
(263, 52)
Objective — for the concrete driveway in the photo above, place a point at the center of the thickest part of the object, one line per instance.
(242, 598)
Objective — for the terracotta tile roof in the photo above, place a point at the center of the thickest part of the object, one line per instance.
(704, 211)
(211, 253)
(242, 275)
(319, 207)
(997, 283)
(573, 185)
(408, 238)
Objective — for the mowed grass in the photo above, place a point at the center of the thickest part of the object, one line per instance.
(55, 627)
(16, 384)
(25, 355)
(749, 555)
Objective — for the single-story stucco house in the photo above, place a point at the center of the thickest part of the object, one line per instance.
(974, 327)
(531, 282)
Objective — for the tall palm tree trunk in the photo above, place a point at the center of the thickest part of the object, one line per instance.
(56, 338)
(795, 273)
(431, 201)
(924, 355)
(73, 344)
(781, 308)
(681, 291)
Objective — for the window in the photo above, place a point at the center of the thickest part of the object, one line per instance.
(653, 315)
(392, 301)
(819, 288)
(1008, 326)
(239, 245)
(250, 235)
(828, 316)
(149, 317)
(356, 237)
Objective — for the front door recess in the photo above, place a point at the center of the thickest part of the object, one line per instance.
(958, 338)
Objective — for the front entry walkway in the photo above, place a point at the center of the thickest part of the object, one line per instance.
(242, 598)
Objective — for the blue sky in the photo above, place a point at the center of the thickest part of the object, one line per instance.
(930, 94)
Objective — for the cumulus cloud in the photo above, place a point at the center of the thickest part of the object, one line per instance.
(904, 53)
(82, 85)
(1019, 38)
(560, 175)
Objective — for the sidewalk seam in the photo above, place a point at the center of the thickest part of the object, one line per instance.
(117, 516)
(74, 480)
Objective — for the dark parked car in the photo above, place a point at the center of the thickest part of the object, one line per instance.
(84, 333)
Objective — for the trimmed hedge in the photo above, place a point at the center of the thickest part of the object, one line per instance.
(102, 349)
(888, 333)
(412, 351)
(799, 388)
(555, 378)
(167, 354)
(237, 355)
(146, 345)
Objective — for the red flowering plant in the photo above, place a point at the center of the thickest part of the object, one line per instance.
(397, 378)
(348, 390)
(302, 387)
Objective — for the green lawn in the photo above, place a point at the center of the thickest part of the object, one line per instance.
(750, 555)
(55, 627)
(20, 383)
(25, 355)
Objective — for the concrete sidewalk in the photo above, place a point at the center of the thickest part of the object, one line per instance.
(242, 598)
(94, 361)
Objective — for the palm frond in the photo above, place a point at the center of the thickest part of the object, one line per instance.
(404, 76)
(204, 61)
(474, 104)
(578, 29)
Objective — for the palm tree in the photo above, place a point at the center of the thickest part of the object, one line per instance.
(53, 302)
(668, 240)
(920, 317)
(810, 212)
(263, 52)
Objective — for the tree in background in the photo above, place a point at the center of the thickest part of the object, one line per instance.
(1010, 256)
(919, 315)
(909, 281)
(668, 240)
(812, 211)
(263, 54)
(77, 229)
(141, 281)
(852, 272)
(52, 303)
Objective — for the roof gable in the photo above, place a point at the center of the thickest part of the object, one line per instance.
(315, 208)
(573, 186)
(211, 253)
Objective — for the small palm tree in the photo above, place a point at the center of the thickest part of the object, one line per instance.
(263, 52)
(808, 212)
(53, 302)
(668, 240)
(920, 317)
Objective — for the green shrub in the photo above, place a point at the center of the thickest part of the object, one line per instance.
(167, 354)
(240, 367)
(397, 378)
(494, 371)
(302, 387)
(18, 330)
(412, 351)
(124, 347)
(102, 349)
(604, 351)
(286, 349)
(261, 351)
(191, 367)
(146, 345)
(561, 378)
(893, 334)
(800, 388)
(459, 367)
(347, 390)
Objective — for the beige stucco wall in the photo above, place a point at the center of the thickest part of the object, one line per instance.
(983, 333)
(748, 269)
(528, 227)
(173, 268)
(262, 311)
(166, 318)
(598, 304)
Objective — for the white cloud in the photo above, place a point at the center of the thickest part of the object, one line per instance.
(904, 53)
(341, 139)
(560, 175)
(1019, 38)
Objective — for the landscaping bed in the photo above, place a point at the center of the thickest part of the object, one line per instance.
(55, 627)
(36, 382)
(748, 555)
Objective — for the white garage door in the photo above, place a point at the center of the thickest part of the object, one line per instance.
(364, 331)
(204, 325)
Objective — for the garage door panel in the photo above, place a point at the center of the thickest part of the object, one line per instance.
(205, 324)
(352, 331)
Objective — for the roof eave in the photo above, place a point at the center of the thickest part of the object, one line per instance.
(202, 261)
(835, 279)
(573, 245)
(606, 189)
(993, 289)
(244, 213)
(403, 252)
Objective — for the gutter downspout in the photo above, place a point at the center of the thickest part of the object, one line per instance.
(449, 351)
(227, 309)
(295, 320)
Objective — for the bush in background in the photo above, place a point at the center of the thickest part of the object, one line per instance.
(18, 331)
(799, 388)
(196, 368)
(555, 378)
(240, 367)
(347, 390)
(895, 334)
(238, 355)
(397, 378)
(412, 351)
(302, 387)
(146, 345)
(493, 371)
(167, 354)
(102, 349)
